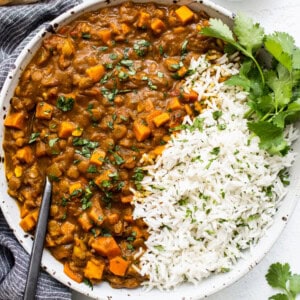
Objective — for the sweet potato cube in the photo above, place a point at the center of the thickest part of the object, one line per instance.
(85, 221)
(95, 72)
(75, 187)
(40, 149)
(15, 120)
(161, 119)
(158, 150)
(141, 131)
(67, 228)
(127, 199)
(97, 157)
(43, 111)
(28, 223)
(102, 178)
(105, 35)
(192, 96)
(96, 215)
(94, 269)
(72, 274)
(182, 71)
(157, 25)
(106, 246)
(184, 14)
(67, 48)
(25, 154)
(118, 266)
(174, 104)
(143, 20)
(125, 28)
(188, 109)
(65, 129)
(113, 219)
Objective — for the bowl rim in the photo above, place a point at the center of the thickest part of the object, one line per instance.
(195, 292)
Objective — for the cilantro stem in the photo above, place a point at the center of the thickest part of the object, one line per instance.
(249, 54)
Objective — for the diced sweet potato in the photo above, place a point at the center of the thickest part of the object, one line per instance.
(157, 25)
(72, 274)
(67, 228)
(79, 249)
(96, 215)
(85, 221)
(125, 28)
(95, 72)
(174, 104)
(184, 14)
(65, 129)
(106, 246)
(28, 223)
(188, 109)
(43, 111)
(15, 120)
(141, 131)
(25, 154)
(105, 35)
(161, 119)
(75, 187)
(67, 48)
(158, 150)
(40, 149)
(103, 178)
(113, 219)
(97, 157)
(127, 199)
(118, 266)
(94, 269)
(192, 96)
(143, 20)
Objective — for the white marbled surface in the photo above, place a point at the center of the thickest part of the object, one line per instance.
(274, 15)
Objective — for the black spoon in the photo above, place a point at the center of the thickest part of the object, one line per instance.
(38, 244)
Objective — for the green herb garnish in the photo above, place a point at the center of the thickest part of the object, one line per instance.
(280, 276)
(274, 91)
(65, 104)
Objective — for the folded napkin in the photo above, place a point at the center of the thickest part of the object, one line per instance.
(17, 26)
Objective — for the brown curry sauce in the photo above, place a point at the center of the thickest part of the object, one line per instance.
(100, 93)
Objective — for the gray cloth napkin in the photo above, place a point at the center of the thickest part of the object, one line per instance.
(17, 26)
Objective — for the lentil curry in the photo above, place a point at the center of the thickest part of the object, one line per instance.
(99, 94)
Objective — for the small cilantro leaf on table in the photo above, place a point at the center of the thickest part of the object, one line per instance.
(280, 276)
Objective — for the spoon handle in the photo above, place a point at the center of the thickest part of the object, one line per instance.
(38, 244)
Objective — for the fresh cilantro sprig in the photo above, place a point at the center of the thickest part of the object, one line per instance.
(249, 36)
(280, 276)
(273, 90)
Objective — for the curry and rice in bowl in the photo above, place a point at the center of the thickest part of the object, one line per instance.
(155, 179)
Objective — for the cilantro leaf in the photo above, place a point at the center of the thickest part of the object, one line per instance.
(219, 30)
(271, 137)
(296, 59)
(279, 297)
(65, 104)
(295, 284)
(279, 81)
(278, 275)
(249, 35)
(281, 45)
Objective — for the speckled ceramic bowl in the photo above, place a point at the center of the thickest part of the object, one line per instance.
(104, 291)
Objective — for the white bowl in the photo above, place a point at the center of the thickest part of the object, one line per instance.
(104, 291)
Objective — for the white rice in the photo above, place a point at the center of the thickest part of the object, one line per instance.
(212, 193)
